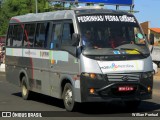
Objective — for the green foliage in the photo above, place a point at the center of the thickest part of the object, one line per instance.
(12, 8)
(57, 6)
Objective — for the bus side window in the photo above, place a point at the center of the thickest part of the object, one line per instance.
(67, 32)
(17, 36)
(9, 37)
(56, 29)
(41, 35)
(29, 35)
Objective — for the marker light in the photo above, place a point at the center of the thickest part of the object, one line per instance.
(149, 88)
(52, 61)
(91, 90)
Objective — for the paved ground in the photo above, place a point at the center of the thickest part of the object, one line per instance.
(157, 75)
(10, 100)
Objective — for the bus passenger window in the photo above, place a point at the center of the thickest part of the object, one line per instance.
(41, 35)
(68, 30)
(9, 37)
(55, 36)
(29, 33)
(17, 35)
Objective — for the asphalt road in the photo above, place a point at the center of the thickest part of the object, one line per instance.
(10, 100)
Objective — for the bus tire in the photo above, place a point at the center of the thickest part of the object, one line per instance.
(25, 91)
(132, 104)
(68, 97)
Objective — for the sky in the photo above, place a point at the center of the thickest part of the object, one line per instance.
(149, 10)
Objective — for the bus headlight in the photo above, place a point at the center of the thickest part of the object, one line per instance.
(147, 75)
(150, 74)
(144, 75)
(93, 75)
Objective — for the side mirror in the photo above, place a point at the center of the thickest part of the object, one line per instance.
(75, 39)
(72, 47)
(152, 39)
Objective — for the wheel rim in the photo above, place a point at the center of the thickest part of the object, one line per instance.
(68, 97)
(24, 90)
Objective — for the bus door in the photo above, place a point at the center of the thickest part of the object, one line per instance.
(54, 55)
(63, 62)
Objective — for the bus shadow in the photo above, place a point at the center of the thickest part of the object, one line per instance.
(43, 99)
(99, 109)
(116, 108)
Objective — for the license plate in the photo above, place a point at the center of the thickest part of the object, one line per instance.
(125, 88)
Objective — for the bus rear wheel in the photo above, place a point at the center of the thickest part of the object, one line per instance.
(68, 97)
(25, 91)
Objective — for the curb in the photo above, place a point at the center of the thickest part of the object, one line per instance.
(2, 68)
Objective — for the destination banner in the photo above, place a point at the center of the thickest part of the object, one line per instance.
(115, 2)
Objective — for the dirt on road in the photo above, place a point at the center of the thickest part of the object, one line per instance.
(157, 76)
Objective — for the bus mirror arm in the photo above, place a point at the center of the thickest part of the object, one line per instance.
(71, 49)
(75, 39)
(152, 39)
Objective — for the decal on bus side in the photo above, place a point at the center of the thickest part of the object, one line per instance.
(42, 54)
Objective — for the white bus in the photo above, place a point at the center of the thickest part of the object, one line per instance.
(80, 55)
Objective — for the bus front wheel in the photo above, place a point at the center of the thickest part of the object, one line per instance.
(68, 97)
(25, 90)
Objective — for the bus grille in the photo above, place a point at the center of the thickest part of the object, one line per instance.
(124, 77)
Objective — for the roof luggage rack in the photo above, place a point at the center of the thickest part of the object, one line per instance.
(88, 7)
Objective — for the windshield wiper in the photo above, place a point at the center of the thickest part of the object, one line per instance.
(133, 49)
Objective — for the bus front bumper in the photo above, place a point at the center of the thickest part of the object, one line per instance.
(103, 91)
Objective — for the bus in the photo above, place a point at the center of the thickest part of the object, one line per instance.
(80, 55)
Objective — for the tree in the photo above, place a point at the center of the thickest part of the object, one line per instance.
(11, 8)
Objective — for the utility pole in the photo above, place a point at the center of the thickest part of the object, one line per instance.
(117, 7)
(36, 6)
(0, 3)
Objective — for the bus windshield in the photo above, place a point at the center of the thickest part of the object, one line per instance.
(111, 32)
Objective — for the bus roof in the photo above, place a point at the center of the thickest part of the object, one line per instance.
(62, 14)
